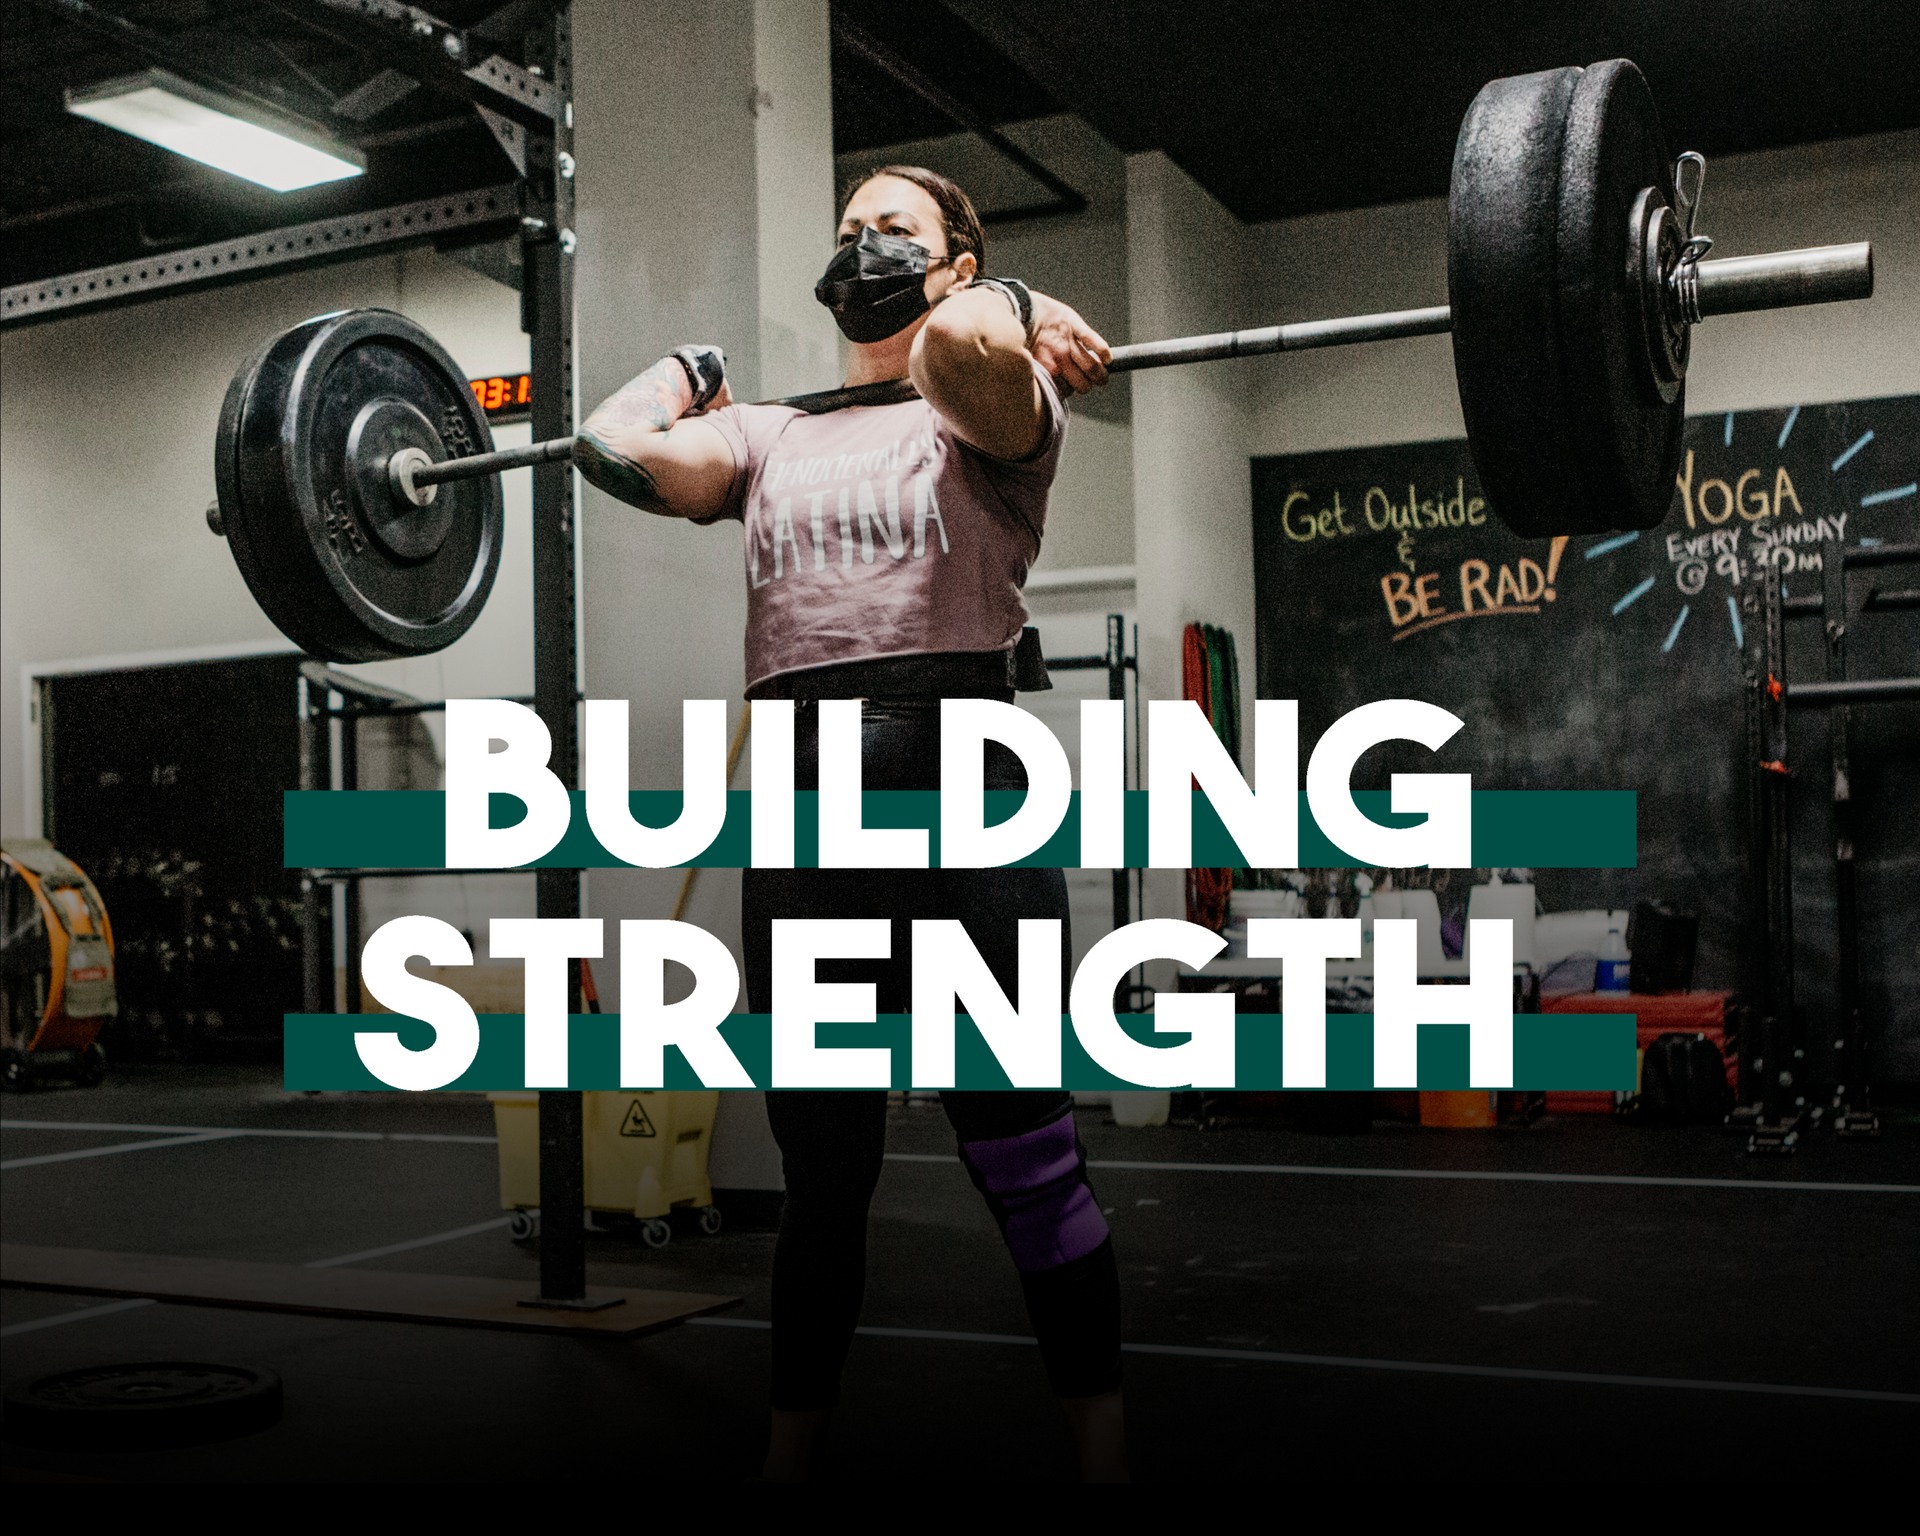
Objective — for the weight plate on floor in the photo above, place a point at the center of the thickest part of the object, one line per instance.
(1571, 430)
(344, 570)
(122, 1407)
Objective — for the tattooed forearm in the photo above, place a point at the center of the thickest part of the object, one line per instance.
(611, 440)
(653, 402)
(613, 472)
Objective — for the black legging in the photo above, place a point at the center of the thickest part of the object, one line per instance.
(1020, 1148)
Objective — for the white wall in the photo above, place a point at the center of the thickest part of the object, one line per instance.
(792, 108)
(1356, 263)
(1193, 510)
(1192, 496)
(106, 468)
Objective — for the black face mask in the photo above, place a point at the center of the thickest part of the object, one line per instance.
(875, 286)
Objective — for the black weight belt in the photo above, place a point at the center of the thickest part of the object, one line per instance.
(935, 675)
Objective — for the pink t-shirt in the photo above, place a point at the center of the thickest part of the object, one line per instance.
(875, 532)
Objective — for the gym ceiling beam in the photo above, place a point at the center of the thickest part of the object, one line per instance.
(1066, 199)
(244, 256)
(442, 57)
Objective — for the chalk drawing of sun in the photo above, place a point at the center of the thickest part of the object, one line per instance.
(1719, 555)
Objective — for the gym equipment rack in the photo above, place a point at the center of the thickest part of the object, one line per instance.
(1777, 1090)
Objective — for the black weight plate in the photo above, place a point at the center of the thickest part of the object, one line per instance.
(142, 1406)
(1569, 431)
(226, 479)
(1502, 213)
(297, 507)
(1627, 435)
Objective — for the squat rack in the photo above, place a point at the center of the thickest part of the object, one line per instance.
(543, 152)
(316, 711)
(1777, 1091)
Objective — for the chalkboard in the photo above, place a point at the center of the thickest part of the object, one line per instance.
(1616, 662)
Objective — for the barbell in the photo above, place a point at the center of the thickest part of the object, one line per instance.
(358, 483)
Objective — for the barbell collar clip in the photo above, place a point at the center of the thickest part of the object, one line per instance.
(403, 475)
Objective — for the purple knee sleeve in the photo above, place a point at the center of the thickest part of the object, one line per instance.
(1039, 1182)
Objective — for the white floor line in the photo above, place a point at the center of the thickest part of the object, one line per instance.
(1520, 1373)
(187, 1133)
(1358, 1363)
(948, 1335)
(1141, 1166)
(1186, 1351)
(1121, 1164)
(240, 1130)
(172, 1130)
(417, 1242)
(119, 1146)
(84, 1314)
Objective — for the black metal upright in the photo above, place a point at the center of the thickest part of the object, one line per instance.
(1778, 1072)
(547, 316)
(1848, 1065)
(1780, 1062)
(1117, 689)
(316, 915)
(350, 908)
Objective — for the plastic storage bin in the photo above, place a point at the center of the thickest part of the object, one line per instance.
(646, 1153)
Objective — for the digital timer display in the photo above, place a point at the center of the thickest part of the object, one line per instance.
(505, 397)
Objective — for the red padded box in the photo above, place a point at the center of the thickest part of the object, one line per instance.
(1659, 1013)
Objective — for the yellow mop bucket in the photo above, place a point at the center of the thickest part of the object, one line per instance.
(646, 1153)
(646, 1150)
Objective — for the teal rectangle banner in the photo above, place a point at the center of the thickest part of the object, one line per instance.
(406, 829)
(1559, 1051)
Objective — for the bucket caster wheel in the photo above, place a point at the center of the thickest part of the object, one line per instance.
(523, 1226)
(16, 1072)
(93, 1066)
(656, 1232)
(708, 1218)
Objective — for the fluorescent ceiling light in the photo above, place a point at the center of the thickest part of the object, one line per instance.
(241, 140)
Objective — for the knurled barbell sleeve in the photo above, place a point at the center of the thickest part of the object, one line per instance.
(1822, 274)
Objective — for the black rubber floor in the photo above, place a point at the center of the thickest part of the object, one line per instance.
(1283, 1323)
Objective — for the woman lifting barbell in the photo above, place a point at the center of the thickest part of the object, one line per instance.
(886, 548)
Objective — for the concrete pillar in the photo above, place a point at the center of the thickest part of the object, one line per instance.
(792, 107)
(1192, 489)
(704, 137)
